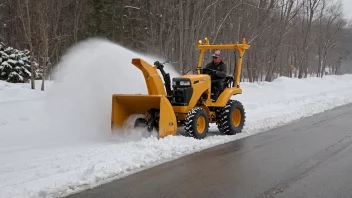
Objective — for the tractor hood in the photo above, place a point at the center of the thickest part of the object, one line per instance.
(191, 79)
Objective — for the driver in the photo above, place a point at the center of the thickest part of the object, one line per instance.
(219, 74)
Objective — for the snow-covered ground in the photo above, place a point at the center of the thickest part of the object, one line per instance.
(58, 142)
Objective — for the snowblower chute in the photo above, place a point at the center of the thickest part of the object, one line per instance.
(155, 107)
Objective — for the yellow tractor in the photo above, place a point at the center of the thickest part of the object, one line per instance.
(187, 102)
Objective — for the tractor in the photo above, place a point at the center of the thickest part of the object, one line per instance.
(186, 101)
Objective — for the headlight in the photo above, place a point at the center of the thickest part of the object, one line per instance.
(185, 83)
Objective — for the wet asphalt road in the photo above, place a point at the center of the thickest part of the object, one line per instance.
(311, 157)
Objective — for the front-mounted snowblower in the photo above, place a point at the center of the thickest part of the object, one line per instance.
(187, 102)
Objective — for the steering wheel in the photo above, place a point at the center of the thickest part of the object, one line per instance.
(210, 72)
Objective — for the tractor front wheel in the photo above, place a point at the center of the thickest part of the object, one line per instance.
(232, 118)
(197, 123)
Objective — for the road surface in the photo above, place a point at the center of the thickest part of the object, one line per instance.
(311, 157)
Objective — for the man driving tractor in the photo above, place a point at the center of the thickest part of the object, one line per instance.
(217, 77)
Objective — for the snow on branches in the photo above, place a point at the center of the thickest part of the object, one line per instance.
(15, 65)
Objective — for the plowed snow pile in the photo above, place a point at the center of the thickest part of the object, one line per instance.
(58, 142)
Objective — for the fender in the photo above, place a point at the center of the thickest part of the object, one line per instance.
(225, 96)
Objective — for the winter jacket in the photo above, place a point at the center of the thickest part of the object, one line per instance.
(221, 69)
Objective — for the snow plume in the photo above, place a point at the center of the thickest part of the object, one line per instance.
(79, 103)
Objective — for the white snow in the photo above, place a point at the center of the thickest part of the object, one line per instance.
(58, 142)
(5, 64)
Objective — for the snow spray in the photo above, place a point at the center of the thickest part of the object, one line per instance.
(79, 102)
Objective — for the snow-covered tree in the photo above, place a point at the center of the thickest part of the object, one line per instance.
(15, 65)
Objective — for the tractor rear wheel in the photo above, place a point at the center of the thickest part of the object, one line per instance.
(232, 118)
(197, 123)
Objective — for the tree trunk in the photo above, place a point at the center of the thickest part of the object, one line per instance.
(181, 36)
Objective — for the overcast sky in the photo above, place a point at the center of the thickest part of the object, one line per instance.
(347, 5)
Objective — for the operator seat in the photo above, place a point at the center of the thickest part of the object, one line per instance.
(228, 82)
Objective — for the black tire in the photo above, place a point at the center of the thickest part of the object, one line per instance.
(228, 124)
(197, 123)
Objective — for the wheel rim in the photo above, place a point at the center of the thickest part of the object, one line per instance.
(236, 117)
(201, 124)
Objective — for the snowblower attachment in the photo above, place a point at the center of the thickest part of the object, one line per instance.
(156, 108)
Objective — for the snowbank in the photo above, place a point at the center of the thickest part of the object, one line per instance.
(10, 92)
(57, 142)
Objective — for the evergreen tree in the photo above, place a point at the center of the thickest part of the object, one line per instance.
(15, 65)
